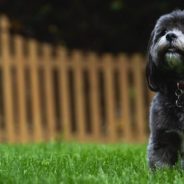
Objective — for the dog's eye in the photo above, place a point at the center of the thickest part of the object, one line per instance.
(159, 34)
(163, 32)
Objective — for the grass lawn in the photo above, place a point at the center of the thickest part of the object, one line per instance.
(80, 163)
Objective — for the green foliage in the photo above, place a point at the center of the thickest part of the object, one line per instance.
(80, 163)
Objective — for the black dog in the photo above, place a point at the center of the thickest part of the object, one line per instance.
(165, 75)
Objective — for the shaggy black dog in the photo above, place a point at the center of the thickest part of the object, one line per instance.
(165, 76)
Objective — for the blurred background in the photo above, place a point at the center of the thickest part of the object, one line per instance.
(101, 26)
(74, 70)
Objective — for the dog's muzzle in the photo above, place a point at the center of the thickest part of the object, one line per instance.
(170, 47)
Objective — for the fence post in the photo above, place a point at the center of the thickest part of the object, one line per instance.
(62, 59)
(137, 63)
(20, 63)
(37, 128)
(124, 97)
(7, 81)
(109, 97)
(50, 107)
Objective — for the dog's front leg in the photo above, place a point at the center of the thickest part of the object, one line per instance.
(182, 160)
(182, 149)
(163, 150)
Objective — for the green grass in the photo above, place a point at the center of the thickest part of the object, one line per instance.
(80, 163)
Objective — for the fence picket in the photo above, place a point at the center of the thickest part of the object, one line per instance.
(77, 60)
(64, 93)
(7, 84)
(124, 97)
(109, 97)
(37, 130)
(20, 59)
(137, 62)
(94, 95)
(51, 120)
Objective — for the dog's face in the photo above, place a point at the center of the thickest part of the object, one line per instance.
(166, 49)
(167, 45)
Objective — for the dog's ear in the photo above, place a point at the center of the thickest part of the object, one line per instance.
(152, 74)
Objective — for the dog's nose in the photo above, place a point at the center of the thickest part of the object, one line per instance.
(170, 37)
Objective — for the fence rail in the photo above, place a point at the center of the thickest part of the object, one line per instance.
(47, 93)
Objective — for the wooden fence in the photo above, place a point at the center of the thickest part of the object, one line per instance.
(47, 93)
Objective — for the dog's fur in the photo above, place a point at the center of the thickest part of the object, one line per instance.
(165, 68)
